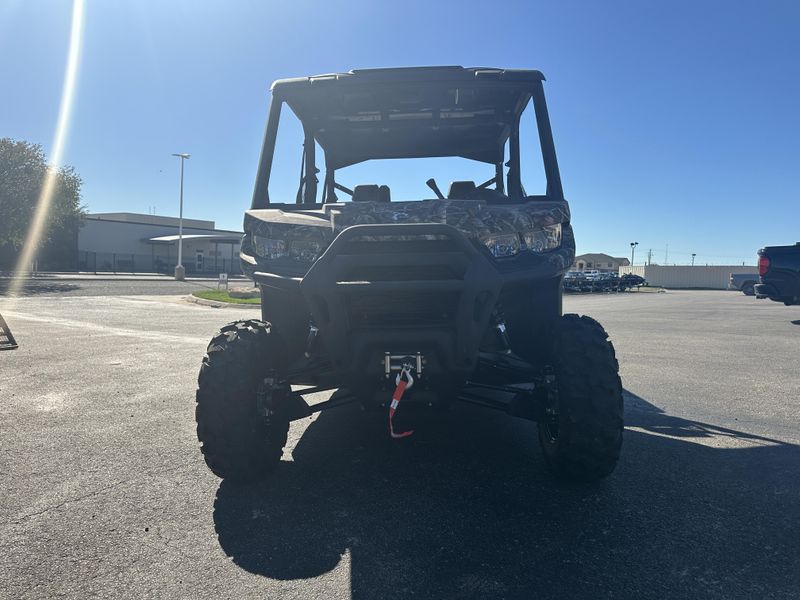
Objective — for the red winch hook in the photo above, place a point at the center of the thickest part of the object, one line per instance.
(404, 381)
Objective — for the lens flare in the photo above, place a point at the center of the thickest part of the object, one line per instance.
(32, 239)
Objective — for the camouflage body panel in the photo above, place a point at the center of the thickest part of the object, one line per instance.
(320, 231)
(474, 218)
(561, 260)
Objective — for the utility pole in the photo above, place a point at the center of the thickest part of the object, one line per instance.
(693, 255)
(649, 256)
(633, 250)
(180, 272)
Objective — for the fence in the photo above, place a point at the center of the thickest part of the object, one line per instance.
(106, 262)
(709, 277)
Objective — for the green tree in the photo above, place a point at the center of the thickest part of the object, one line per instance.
(23, 168)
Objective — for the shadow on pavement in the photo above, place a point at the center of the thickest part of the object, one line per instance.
(34, 288)
(465, 509)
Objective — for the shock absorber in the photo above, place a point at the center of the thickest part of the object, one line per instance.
(500, 327)
(311, 341)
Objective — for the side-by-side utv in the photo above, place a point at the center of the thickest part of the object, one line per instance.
(435, 299)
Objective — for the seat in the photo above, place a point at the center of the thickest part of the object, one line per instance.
(461, 190)
(371, 193)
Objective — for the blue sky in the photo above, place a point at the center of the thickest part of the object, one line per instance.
(676, 123)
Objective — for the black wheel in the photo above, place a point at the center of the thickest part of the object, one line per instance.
(241, 369)
(748, 289)
(582, 436)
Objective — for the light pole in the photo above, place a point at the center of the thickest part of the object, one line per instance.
(633, 250)
(693, 255)
(180, 272)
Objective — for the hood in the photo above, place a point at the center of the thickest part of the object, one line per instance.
(473, 218)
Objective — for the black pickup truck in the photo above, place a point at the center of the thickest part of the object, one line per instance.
(779, 274)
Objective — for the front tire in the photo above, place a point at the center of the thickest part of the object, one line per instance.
(238, 442)
(582, 437)
(748, 289)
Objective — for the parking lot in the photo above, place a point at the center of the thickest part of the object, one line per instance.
(104, 492)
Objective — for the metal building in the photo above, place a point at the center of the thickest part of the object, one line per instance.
(683, 276)
(137, 243)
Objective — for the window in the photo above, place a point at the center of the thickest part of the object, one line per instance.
(406, 176)
(286, 163)
(532, 173)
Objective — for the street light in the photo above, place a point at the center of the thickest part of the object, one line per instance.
(180, 272)
(633, 250)
(693, 255)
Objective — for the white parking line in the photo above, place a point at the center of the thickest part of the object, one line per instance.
(107, 329)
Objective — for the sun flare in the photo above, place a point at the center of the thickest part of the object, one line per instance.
(30, 247)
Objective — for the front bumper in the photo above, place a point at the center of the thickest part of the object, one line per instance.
(403, 289)
(406, 288)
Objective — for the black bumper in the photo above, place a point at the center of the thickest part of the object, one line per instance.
(401, 289)
(771, 291)
(766, 290)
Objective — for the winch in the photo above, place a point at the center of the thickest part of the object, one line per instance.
(393, 363)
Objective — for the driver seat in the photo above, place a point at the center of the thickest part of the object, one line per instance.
(371, 193)
(461, 190)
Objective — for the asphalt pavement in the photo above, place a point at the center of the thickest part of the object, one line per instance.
(104, 492)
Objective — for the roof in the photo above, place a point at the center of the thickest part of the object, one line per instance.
(129, 217)
(410, 112)
(411, 74)
(599, 257)
(214, 237)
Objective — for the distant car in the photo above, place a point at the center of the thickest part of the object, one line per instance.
(605, 282)
(744, 282)
(575, 281)
(779, 274)
(591, 274)
(629, 280)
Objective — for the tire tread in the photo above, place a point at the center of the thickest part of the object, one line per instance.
(236, 442)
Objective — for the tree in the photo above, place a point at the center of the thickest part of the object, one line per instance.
(23, 168)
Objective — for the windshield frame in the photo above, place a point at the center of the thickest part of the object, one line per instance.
(308, 185)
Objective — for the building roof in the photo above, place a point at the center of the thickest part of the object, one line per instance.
(214, 237)
(599, 257)
(129, 217)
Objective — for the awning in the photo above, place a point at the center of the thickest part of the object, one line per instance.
(225, 238)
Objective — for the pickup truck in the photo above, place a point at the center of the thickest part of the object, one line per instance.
(744, 282)
(779, 274)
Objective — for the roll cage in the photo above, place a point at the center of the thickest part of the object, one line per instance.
(409, 113)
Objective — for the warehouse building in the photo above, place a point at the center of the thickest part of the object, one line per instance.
(137, 243)
(687, 277)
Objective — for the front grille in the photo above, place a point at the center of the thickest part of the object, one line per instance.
(399, 310)
(403, 273)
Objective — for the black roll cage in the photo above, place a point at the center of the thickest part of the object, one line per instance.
(307, 191)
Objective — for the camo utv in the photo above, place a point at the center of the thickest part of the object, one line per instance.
(431, 300)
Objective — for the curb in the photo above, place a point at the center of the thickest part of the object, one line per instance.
(87, 276)
(215, 304)
(120, 278)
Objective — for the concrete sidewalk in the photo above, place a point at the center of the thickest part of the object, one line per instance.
(85, 276)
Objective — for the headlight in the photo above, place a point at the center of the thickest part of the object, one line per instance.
(504, 245)
(269, 248)
(300, 250)
(543, 239)
(305, 250)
